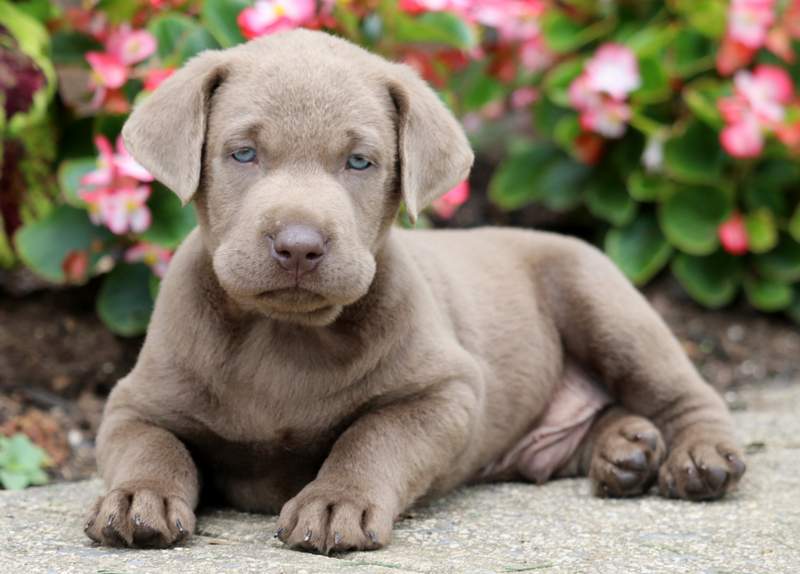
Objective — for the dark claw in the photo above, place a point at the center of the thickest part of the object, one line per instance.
(307, 537)
(278, 533)
(650, 439)
(671, 490)
(716, 478)
(626, 479)
(737, 464)
(110, 520)
(137, 520)
(638, 461)
(179, 525)
(372, 536)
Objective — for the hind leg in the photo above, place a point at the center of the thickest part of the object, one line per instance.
(620, 454)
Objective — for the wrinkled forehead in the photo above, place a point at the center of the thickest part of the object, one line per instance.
(301, 103)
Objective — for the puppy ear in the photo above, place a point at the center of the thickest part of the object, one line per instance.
(165, 133)
(434, 152)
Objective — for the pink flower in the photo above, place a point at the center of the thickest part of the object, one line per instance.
(270, 16)
(514, 20)
(749, 21)
(114, 191)
(447, 205)
(420, 6)
(743, 139)
(524, 97)
(121, 210)
(113, 168)
(107, 74)
(534, 55)
(157, 258)
(733, 235)
(153, 78)
(608, 119)
(613, 70)
(733, 55)
(75, 266)
(789, 135)
(600, 92)
(766, 90)
(112, 68)
(757, 107)
(130, 46)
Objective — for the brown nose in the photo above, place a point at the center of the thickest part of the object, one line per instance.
(298, 248)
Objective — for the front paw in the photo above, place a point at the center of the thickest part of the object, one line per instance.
(329, 518)
(139, 518)
(701, 468)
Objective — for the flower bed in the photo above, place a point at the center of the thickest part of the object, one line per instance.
(675, 126)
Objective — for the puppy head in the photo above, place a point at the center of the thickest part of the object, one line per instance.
(297, 149)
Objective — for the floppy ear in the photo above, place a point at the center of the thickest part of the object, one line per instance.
(434, 152)
(165, 132)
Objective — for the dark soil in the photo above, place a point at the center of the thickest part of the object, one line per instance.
(58, 362)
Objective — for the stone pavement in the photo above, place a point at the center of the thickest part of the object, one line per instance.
(558, 527)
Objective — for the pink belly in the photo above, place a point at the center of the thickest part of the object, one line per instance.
(558, 432)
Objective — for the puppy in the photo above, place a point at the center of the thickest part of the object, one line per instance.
(306, 357)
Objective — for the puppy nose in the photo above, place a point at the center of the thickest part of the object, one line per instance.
(298, 248)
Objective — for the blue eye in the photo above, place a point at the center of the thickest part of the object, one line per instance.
(244, 155)
(358, 162)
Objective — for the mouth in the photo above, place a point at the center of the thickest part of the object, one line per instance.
(293, 300)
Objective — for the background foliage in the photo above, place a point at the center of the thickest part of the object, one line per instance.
(675, 126)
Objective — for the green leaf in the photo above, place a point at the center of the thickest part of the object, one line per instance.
(651, 41)
(124, 302)
(510, 187)
(762, 232)
(171, 222)
(560, 184)
(179, 38)
(607, 199)
(38, 477)
(70, 47)
(24, 453)
(638, 249)
(43, 245)
(695, 156)
(690, 217)
(708, 17)
(767, 294)
(70, 173)
(782, 263)
(563, 34)
(643, 186)
(701, 97)
(558, 80)
(443, 28)
(655, 83)
(794, 225)
(13, 480)
(118, 11)
(547, 116)
(219, 18)
(691, 53)
(794, 309)
(711, 280)
(566, 130)
(477, 88)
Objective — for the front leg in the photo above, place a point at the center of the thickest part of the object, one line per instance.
(607, 325)
(151, 478)
(385, 461)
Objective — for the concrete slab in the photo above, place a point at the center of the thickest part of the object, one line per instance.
(554, 528)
